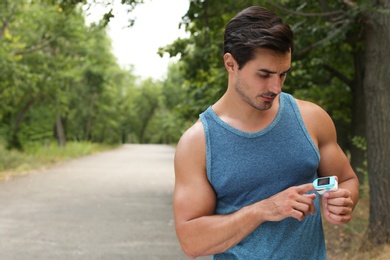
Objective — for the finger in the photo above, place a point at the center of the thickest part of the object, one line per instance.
(334, 194)
(341, 202)
(305, 207)
(312, 196)
(338, 219)
(340, 206)
(340, 211)
(337, 202)
(299, 211)
(305, 188)
(340, 197)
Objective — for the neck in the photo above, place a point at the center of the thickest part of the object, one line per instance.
(239, 114)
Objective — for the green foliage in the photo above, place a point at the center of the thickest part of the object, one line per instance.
(146, 103)
(54, 67)
(38, 126)
(36, 155)
(15, 160)
(59, 75)
(52, 153)
(360, 142)
(201, 54)
(203, 49)
(172, 122)
(327, 37)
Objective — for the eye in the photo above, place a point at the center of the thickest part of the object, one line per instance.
(264, 75)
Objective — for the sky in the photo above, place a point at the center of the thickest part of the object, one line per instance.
(156, 25)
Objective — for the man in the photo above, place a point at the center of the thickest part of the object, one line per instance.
(244, 171)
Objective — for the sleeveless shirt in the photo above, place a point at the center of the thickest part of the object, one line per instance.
(244, 168)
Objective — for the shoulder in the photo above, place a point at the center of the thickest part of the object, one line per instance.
(318, 122)
(308, 108)
(191, 148)
(193, 136)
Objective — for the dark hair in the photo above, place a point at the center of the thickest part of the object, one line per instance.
(256, 27)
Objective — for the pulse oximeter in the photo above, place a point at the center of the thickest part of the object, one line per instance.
(325, 184)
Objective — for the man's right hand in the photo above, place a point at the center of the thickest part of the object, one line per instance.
(292, 202)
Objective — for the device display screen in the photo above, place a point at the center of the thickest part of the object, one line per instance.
(324, 181)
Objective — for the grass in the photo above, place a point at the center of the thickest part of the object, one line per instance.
(37, 156)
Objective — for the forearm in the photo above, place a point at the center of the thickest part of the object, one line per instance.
(211, 234)
(351, 185)
(217, 233)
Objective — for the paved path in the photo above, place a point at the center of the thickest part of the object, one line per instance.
(113, 205)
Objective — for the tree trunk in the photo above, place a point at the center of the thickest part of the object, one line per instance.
(13, 142)
(89, 119)
(377, 91)
(60, 133)
(358, 123)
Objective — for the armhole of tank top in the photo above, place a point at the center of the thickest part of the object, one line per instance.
(302, 124)
(208, 148)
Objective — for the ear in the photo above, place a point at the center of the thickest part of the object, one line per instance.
(230, 62)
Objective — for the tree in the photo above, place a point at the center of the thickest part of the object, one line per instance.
(146, 103)
(27, 74)
(169, 122)
(57, 73)
(377, 91)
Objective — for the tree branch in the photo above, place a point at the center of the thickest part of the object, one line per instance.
(350, 3)
(22, 114)
(339, 75)
(7, 20)
(329, 37)
(40, 45)
(3, 28)
(326, 14)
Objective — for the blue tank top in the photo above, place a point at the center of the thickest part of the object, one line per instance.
(244, 168)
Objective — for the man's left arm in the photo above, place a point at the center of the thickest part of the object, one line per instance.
(338, 205)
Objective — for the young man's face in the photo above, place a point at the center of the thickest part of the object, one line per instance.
(261, 79)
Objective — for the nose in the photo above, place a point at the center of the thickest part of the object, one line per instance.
(275, 84)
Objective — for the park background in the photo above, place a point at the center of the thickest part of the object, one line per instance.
(66, 92)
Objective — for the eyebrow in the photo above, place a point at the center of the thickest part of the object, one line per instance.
(273, 72)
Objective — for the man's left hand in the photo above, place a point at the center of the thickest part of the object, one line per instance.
(338, 206)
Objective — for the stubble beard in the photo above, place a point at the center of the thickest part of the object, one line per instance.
(260, 105)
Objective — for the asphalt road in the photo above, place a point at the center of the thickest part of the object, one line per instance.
(112, 205)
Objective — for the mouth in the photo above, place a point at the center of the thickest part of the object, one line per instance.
(268, 98)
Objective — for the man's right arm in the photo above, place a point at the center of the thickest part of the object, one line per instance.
(199, 231)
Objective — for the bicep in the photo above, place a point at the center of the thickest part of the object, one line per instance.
(333, 159)
(334, 162)
(193, 195)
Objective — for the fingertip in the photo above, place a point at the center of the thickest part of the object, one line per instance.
(307, 187)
